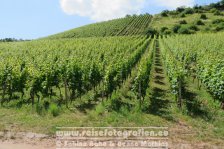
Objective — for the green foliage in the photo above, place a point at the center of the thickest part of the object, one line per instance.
(207, 29)
(184, 30)
(152, 32)
(176, 28)
(39, 109)
(115, 103)
(207, 64)
(164, 13)
(100, 109)
(188, 11)
(64, 70)
(217, 13)
(220, 27)
(213, 10)
(203, 16)
(46, 105)
(167, 32)
(180, 9)
(175, 70)
(114, 76)
(141, 81)
(217, 21)
(199, 22)
(130, 25)
(54, 110)
(173, 13)
(182, 15)
(193, 28)
(124, 110)
(163, 29)
(198, 9)
(183, 22)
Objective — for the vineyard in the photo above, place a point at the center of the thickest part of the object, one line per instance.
(69, 64)
(202, 60)
(124, 72)
(64, 70)
(131, 25)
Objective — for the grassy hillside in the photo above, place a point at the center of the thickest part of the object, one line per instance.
(190, 20)
(180, 21)
(116, 81)
(172, 23)
(114, 73)
(130, 25)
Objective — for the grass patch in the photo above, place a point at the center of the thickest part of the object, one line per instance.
(54, 110)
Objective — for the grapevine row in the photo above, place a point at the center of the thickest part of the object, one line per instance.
(202, 56)
(41, 67)
(175, 70)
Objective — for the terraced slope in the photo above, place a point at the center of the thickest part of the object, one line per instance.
(130, 25)
(183, 20)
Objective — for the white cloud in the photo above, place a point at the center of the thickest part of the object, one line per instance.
(100, 10)
(172, 4)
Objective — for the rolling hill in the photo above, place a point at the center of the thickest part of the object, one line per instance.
(142, 70)
(131, 25)
(199, 19)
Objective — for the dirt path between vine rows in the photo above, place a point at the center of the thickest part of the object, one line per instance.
(181, 134)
